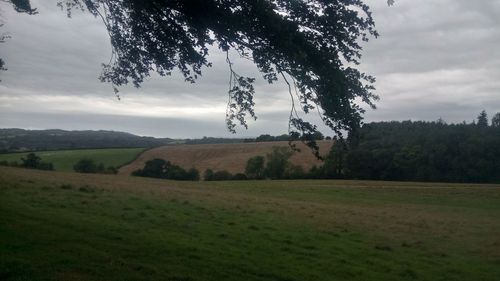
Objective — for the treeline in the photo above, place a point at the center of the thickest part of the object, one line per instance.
(38, 140)
(284, 137)
(420, 151)
(31, 161)
(394, 151)
(274, 165)
(84, 165)
(212, 140)
(161, 169)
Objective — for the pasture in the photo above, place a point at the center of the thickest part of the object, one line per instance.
(64, 160)
(69, 226)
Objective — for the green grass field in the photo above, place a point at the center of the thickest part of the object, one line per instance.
(68, 226)
(64, 160)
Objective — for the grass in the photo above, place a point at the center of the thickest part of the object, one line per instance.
(64, 160)
(65, 226)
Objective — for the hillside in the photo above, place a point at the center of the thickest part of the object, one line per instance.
(69, 226)
(230, 157)
(64, 160)
(12, 140)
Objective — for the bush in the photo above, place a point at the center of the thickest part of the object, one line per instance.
(222, 176)
(239, 177)
(217, 176)
(33, 161)
(208, 175)
(255, 167)
(159, 168)
(111, 170)
(277, 162)
(295, 172)
(86, 165)
(45, 166)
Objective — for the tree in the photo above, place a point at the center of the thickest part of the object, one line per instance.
(495, 121)
(159, 168)
(277, 162)
(255, 167)
(482, 119)
(31, 161)
(85, 165)
(154, 168)
(208, 175)
(311, 45)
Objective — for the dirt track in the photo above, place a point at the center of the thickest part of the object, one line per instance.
(230, 157)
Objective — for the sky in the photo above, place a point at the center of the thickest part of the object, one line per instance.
(434, 59)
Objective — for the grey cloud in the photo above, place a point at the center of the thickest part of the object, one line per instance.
(434, 59)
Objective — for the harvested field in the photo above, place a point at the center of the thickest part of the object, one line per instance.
(230, 157)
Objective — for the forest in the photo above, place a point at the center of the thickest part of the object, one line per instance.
(419, 151)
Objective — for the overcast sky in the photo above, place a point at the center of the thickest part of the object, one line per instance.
(434, 59)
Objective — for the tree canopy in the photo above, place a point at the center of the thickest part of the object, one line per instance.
(311, 45)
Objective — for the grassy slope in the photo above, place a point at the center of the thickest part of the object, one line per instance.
(64, 160)
(120, 228)
(231, 157)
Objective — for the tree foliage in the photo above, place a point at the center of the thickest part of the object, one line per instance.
(495, 121)
(255, 167)
(419, 151)
(159, 168)
(33, 161)
(312, 45)
(277, 162)
(482, 119)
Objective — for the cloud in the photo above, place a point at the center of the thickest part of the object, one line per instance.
(433, 59)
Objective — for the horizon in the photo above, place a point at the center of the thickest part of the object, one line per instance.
(428, 65)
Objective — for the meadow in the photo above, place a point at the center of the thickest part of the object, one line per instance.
(68, 226)
(64, 160)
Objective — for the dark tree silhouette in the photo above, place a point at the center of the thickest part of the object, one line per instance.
(495, 121)
(31, 161)
(312, 45)
(482, 119)
(255, 167)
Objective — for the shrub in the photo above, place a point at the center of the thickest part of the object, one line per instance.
(222, 176)
(239, 177)
(277, 162)
(294, 172)
(85, 165)
(208, 175)
(111, 170)
(255, 167)
(33, 161)
(45, 166)
(159, 168)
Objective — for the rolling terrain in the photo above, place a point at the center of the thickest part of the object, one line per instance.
(64, 160)
(230, 157)
(19, 140)
(69, 226)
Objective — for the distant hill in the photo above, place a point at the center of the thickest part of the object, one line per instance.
(12, 140)
(226, 156)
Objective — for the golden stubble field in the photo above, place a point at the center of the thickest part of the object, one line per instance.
(229, 157)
